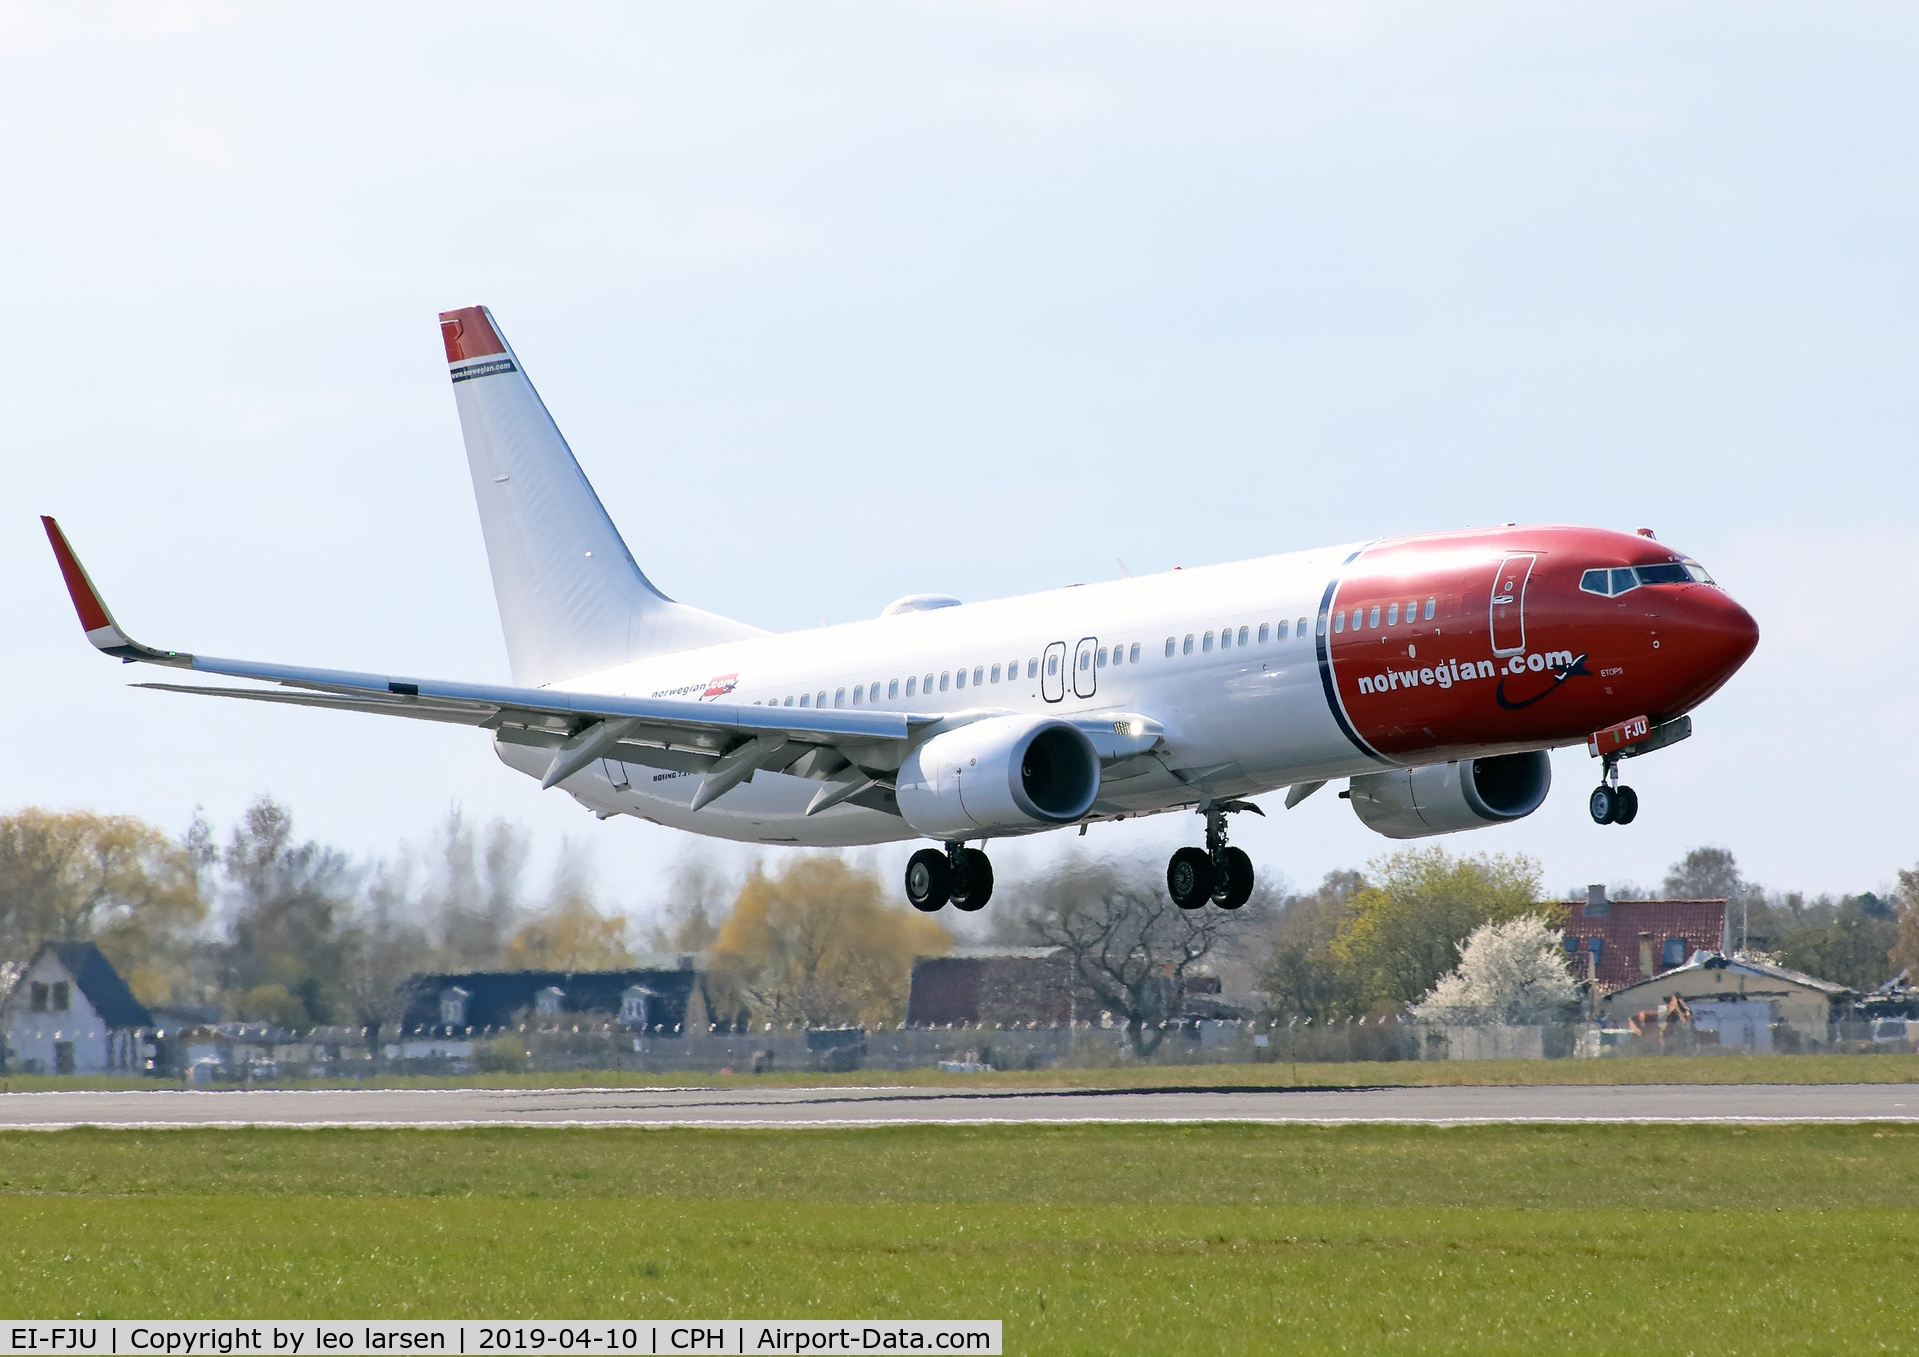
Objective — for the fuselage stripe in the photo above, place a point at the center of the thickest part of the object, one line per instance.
(1322, 641)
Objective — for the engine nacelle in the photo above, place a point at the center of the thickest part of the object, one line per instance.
(1003, 775)
(1444, 798)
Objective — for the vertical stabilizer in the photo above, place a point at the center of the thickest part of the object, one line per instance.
(572, 599)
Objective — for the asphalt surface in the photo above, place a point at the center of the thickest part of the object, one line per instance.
(815, 1107)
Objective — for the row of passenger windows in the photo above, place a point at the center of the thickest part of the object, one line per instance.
(1267, 631)
(1369, 618)
(864, 694)
(1619, 579)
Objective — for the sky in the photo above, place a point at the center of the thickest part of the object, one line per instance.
(837, 303)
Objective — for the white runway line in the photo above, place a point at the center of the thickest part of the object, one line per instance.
(841, 1107)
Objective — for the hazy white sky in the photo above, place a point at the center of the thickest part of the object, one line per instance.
(841, 303)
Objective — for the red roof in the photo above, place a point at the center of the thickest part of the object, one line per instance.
(1701, 923)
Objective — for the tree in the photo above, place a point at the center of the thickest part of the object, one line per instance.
(697, 899)
(1300, 975)
(570, 934)
(818, 944)
(1131, 947)
(1512, 972)
(1905, 950)
(473, 901)
(113, 880)
(1706, 874)
(287, 947)
(1399, 934)
(1855, 949)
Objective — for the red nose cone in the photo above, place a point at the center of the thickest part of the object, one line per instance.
(1715, 636)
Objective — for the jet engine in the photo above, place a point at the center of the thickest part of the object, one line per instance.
(1003, 775)
(1443, 798)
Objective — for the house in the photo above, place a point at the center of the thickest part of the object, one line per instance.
(657, 995)
(1616, 943)
(1745, 1003)
(991, 984)
(67, 1011)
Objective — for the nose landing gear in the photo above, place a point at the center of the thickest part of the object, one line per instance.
(1610, 803)
(1216, 872)
(960, 875)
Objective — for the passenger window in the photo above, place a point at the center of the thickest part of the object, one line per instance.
(1186, 646)
(1134, 657)
(979, 672)
(1265, 630)
(1622, 580)
(1432, 603)
(1032, 666)
(1225, 638)
(1206, 643)
(1373, 621)
(926, 685)
(806, 699)
(819, 698)
(1339, 621)
(1300, 630)
(857, 690)
(789, 701)
(960, 679)
(1169, 647)
(1392, 616)
(1099, 660)
(1085, 659)
(1052, 665)
(839, 698)
(1244, 632)
(1596, 582)
(946, 677)
(911, 684)
(996, 673)
(893, 689)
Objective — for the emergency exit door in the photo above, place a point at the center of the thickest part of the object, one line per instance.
(1085, 669)
(1509, 604)
(1052, 672)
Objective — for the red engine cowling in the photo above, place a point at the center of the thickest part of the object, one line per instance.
(1003, 775)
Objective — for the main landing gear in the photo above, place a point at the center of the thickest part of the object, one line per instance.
(1612, 804)
(961, 875)
(1216, 872)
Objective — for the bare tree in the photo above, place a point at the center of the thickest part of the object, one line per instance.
(1131, 947)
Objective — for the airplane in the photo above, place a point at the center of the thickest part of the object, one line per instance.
(1433, 673)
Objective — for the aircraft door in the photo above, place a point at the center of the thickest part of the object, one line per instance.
(1509, 604)
(1052, 672)
(1085, 671)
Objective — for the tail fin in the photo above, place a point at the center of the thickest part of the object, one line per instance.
(572, 599)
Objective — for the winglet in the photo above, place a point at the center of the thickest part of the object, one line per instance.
(95, 620)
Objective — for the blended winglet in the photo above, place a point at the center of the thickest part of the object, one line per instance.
(95, 619)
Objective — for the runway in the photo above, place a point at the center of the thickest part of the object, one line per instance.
(800, 1108)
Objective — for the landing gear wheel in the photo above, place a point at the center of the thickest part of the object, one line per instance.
(1189, 878)
(1235, 886)
(1604, 804)
(972, 881)
(929, 880)
(1625, 805)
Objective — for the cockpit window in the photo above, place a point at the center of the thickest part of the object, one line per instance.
(1620, 579)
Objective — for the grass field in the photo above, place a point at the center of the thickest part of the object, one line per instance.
(1083, 1240)
(1712, 1069)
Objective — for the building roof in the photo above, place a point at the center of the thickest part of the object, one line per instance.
(1031, 984)
(1619, 923)
(494, 997)
(102, 985)
(1747, 966)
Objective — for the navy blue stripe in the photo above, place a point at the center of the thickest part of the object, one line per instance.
(1323, 643)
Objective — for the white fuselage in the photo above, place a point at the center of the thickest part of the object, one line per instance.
(1239, 718)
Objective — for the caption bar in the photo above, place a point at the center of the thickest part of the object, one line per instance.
(305, 1338)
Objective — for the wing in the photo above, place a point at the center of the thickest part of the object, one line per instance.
(853, 751)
